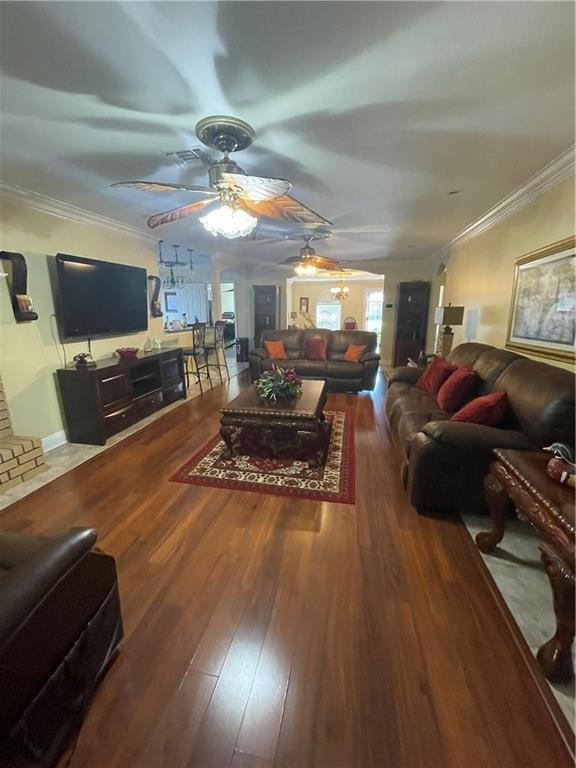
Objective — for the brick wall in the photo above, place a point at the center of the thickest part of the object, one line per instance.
(20, 457)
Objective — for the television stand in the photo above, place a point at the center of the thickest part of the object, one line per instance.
(102, 400)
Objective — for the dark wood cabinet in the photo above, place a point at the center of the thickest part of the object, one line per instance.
(411, 320)
(265, 310)
(101, 401)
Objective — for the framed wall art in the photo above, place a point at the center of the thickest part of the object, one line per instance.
(542, 317)
(304, 304)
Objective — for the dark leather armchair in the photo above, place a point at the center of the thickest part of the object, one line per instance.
(60, 624)
(444, 463)
(340, 375)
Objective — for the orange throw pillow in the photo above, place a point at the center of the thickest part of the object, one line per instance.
(354, 352)
(276, 350)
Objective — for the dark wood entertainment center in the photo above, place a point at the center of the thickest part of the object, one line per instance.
(102, 400)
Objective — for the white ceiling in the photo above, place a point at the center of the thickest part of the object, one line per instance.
(375, 111)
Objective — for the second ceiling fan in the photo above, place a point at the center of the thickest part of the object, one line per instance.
(308, 262)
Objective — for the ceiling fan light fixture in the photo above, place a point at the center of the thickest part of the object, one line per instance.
(229, 222)
(306, 270)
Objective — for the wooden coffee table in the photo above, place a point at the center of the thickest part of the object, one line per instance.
(518, 479)
(298, 422)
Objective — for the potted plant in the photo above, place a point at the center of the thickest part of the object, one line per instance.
(279, 383)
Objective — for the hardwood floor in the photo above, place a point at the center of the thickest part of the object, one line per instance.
(263, 631)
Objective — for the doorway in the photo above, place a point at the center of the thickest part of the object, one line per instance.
(228, 304)
(373, 308)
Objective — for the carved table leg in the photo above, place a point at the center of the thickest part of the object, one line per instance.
(555, 656)
(315, 444)
(228, 435)
(499, 505)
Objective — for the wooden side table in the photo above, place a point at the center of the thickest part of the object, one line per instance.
(518, 479)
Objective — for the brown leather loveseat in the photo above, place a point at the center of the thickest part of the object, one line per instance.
(340, 375)
(60, 624)
(444, 462)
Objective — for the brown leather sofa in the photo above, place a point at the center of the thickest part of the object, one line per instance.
(340, 375)
(444, 462)
(60, 625)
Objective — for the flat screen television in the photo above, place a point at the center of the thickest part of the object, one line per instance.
(99, 298)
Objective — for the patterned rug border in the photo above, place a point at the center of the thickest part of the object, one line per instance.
(348, 496)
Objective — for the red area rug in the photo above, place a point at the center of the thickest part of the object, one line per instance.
(280, 477)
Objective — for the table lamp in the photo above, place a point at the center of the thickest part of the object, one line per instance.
(448, 316)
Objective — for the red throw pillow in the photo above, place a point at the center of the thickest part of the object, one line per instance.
(456, 389)
(488, 410)
(315, 348)
(435, 375)
(354, 353)
(276, 350)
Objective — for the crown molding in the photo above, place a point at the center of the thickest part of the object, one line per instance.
(69, 212)
(553, 174)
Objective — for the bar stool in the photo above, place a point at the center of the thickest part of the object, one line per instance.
(218, 347)
(197, 353)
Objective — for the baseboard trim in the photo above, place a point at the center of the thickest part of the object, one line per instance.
(54, 440)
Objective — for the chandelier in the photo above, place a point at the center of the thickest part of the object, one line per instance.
(173, 280)
(340, 292)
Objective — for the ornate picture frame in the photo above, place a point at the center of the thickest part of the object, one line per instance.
(542, 317)
(304, 304)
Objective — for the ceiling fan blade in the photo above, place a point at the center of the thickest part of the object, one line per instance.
(286, 208)
(156, 186)
(258, 188)
(182, 212)
(329, 264)
(320, 262)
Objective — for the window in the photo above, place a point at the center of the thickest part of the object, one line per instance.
(328, 312)
(373, 305)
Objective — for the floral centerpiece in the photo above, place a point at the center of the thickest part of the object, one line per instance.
(278, 383)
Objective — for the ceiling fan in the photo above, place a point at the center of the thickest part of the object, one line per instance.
(308, 262)
(242, 197)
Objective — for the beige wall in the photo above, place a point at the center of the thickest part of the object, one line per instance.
(480, 272)
(30, 353)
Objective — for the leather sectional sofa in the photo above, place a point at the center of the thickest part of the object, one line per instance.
(340, 375)
(60, 624)
(444, 462)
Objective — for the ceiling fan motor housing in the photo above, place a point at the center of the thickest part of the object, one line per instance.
(218, 167)
(224, 132)
(307, 252)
